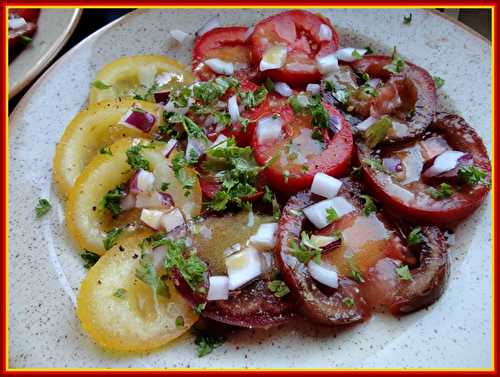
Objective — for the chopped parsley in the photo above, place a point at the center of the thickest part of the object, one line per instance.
(206, 343)
(191, 128)
(198, 309)
(369, 90)
(164, 186)
(89, 258)
(26, 40)
(146, 272)
(306, 249)
(369, 206)
(444, 191)
(269, 85)
(415, 237)
(331, 215)
(407, 19)
(278, 288)
(404, 272)
(348, 301)
(438, 81)
(473, 175)
(377, 131)
(98, 84)
(270, 197)
(355, 54)
(106, 150)
(252, 99)
(355, 273)
(397, 64)
(111, 238)
(315, 108)
(179, 165)
(369, 50)
(135, 158)
(179, 322)
(375, 163)
(42, 208)
(111, 201)
(120, 293)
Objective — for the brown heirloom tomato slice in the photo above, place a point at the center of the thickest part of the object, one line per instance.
(367, 262)
(299, 156)
(408, 194)
(299, 31)
(409, 97)
(225, 43)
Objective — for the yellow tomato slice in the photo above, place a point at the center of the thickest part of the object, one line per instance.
(89, 223)
(120, 312)
(91, 130)
(133, 75)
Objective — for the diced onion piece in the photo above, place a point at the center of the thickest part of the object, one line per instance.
(128, 202)
(243, 267)
(273, 58)
(303, 100)
(313, 89)
(265, 238)
(139, 119)
(317, 213)
(159, 256)
(323, 241)
(327, 63)
(149, 200)
(219, 142)
(16, 22)
(164, 78)
(179, 35)
(268, 128)
(220, 66)
(232, 107)
(325, 185)
(350, 54)
(324, 274)
(325, 32)
(374, 82)
(145, 180)
(446, 161)
(172, 220)
(169, 147)
(267, 262)
(365, 124)
(283, 89)
(151, 217)
(212, 23)
(218, 288)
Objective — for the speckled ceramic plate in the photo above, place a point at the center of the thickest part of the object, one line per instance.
(45, 268)
(55, 26)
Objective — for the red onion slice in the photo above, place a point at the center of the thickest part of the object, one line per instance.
(169, 147)
(161, 97)
(139, 119)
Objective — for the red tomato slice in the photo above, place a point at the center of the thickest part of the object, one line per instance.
(409, 199)
(29, 15)
(300, 156)
(299, 31)
(28, 30)
(225, 43)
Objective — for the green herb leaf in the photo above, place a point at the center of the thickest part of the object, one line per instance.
(146, 272)
(120, 293)
(135, 158)
(472, 175)
(111, 201)
(404, 272)
(348, 302)
(306, 250)
(397, 64)
(26, 40)
(444, 191)
(198, 309)
(295, 104)
(331, 215)
(206, 343)
(179, 322)
(369, 50)
(377, 131)
(278, 288)
(179, 164)
(89, 258)
(111, 238)
(98, 84)
(369, 90)
(355, 54)
(105, 150)
(252, 99)
(375, 163)
(369, 207)
(269, 85)
(42, 208)
(438, 81)
(415, 237)
(355, 273)
(407, 19)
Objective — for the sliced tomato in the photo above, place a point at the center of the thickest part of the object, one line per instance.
(16, 35)
(227, 44)
(299, 31)
(409, 97)
(29, 15)
(408, 195)
(298, 155)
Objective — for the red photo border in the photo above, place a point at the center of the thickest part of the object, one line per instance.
(231, 4)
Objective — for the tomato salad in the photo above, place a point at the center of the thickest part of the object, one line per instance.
(22, 27)
(278, 178)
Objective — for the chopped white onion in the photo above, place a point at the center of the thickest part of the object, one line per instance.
(267, 262)
(269, 128)
(325, 185)
(128, 202)
(169, 147)
(325, 32)
(218, 288)
(324, 274)
(179, 35)
(322, 241)
(16, 22)
(212, 23)
(327, 63)
(374, 82)
(350, 54)
(149, 200)
(283, 89)
(151, 217)
(172, 220)
(317, 213)
(446, 161)
(145, 180)
(219, 142)
(365, 124)
(232, 107)
(159, 256)
(273, 58)
(265, 238)
(164, 78)
(243, 267)
(313, 89)
(220, 66)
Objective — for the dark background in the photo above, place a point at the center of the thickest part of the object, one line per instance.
(94, 19)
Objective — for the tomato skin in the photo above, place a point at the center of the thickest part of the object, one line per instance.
(284, 28)
(31, 17)
(460, 136)
(209, 46)
(334, 160)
